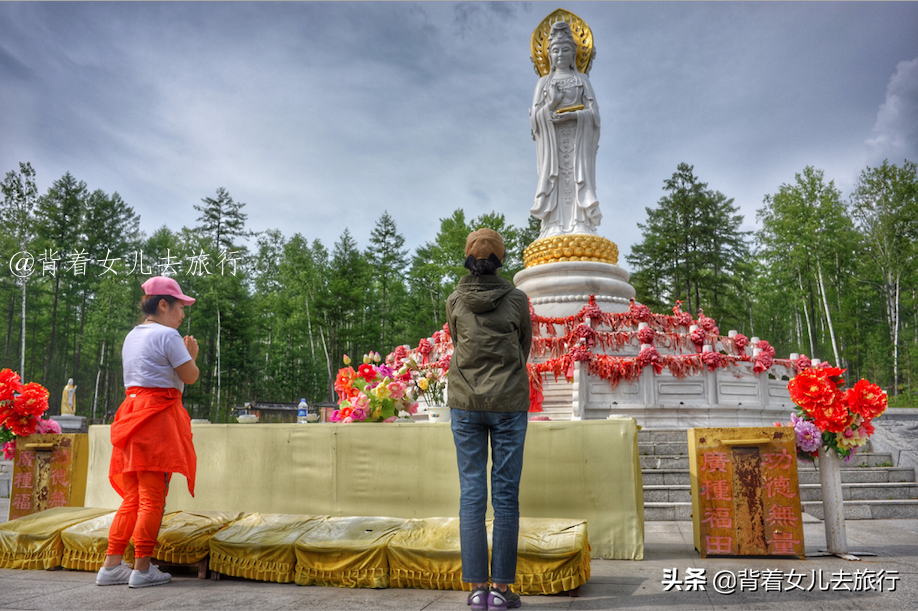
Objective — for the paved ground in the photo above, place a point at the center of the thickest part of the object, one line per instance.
(615, 584)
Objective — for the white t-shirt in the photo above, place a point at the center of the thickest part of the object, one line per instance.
(150, 354)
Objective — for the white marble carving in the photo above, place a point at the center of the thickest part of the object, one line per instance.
(566, 142)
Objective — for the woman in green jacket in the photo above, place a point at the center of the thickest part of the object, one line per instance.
(491, 329)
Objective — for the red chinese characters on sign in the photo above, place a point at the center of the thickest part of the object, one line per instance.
(22, 502)
(718, 545)
(783, 543)
(716, 490)
(23, 479)
(782, 516)
(715, 461)
(718, 517)
(60, 456)
(59, 477)
(26, 459)
(781, 462)
(779, 485)
(58, 499)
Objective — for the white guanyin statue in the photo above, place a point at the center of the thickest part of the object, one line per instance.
(565, 126)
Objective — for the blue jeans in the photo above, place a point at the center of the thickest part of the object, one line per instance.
(507, 431)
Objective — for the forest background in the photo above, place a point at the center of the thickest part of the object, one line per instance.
(830, 277)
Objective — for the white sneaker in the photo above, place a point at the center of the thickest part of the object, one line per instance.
(151, 577)
(114, 576)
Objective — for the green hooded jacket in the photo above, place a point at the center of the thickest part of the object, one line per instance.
(491, 330)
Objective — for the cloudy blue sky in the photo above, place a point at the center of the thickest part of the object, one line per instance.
(320, 116)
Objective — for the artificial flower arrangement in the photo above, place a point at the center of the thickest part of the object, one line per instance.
(21, 408)
(830, 416)
(375, 392)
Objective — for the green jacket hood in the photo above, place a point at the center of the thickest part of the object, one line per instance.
(482, 294)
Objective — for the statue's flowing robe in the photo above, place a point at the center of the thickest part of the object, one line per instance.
(548, 199)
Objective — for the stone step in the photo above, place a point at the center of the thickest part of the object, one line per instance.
(661, 435)
(808, 492)
(667, 512)
(681, 461)
(869, 510)
(854, 510)
(654, 448)
(861, 475)
(861, 460)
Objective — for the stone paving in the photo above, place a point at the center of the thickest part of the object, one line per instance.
(615, 584)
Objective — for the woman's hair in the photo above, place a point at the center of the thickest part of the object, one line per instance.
(483, 267)
(561, 33)
(150, 303)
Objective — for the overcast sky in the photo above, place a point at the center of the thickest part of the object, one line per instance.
(321, 116)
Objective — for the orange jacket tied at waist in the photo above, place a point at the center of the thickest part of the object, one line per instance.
(152, 432)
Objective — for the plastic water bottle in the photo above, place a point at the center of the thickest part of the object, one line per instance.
(302, 412)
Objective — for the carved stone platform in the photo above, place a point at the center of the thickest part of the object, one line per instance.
(563, 288)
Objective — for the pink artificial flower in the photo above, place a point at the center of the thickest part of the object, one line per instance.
(359, 415)
(412, 408)
(48, 427)
(360, 402)
(9, 449)
(391, 419)
(397, 389)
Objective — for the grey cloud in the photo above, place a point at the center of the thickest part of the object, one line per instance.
(896, 129)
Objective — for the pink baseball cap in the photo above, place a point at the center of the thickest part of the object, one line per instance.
(163, 285)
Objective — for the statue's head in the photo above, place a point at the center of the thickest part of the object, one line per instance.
(562, 48)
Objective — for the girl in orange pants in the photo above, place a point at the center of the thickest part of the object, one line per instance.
(151, 434)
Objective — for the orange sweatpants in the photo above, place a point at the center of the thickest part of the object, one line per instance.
(140, 514)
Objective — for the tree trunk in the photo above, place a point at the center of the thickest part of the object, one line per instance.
(95, 395)
(22, 372)
(806, 316)
(825, 302)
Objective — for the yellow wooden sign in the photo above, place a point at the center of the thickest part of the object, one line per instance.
(745, 492)
(48, 471)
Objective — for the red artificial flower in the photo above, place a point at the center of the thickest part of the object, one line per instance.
(646, 335)
(867, 427)
(810, 391)
(866, 399)
(698, 336)
(367, 372)
(708, 324)
(640, 312)
(9, 384)
(741, 341)
(344, 378)
(33, 400)
(22, 424)
(444, 362)
(803, 363)
(713, 360)
(766, 348)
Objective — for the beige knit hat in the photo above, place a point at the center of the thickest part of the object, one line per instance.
(483, 243)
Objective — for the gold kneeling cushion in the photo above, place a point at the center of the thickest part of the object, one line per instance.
(184, 536)
(425, 554)
(260, 546)
(85, 544)
(346, 552)
(553, 556)
(34, 541)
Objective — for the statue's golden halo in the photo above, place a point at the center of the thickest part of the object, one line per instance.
(582, 35)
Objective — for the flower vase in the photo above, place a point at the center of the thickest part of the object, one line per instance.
(833, 507)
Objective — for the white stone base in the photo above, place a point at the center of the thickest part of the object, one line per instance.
(562, 289)
(724, 398)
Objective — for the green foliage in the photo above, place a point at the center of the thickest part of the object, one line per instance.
(273, 323)
(693, 249)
